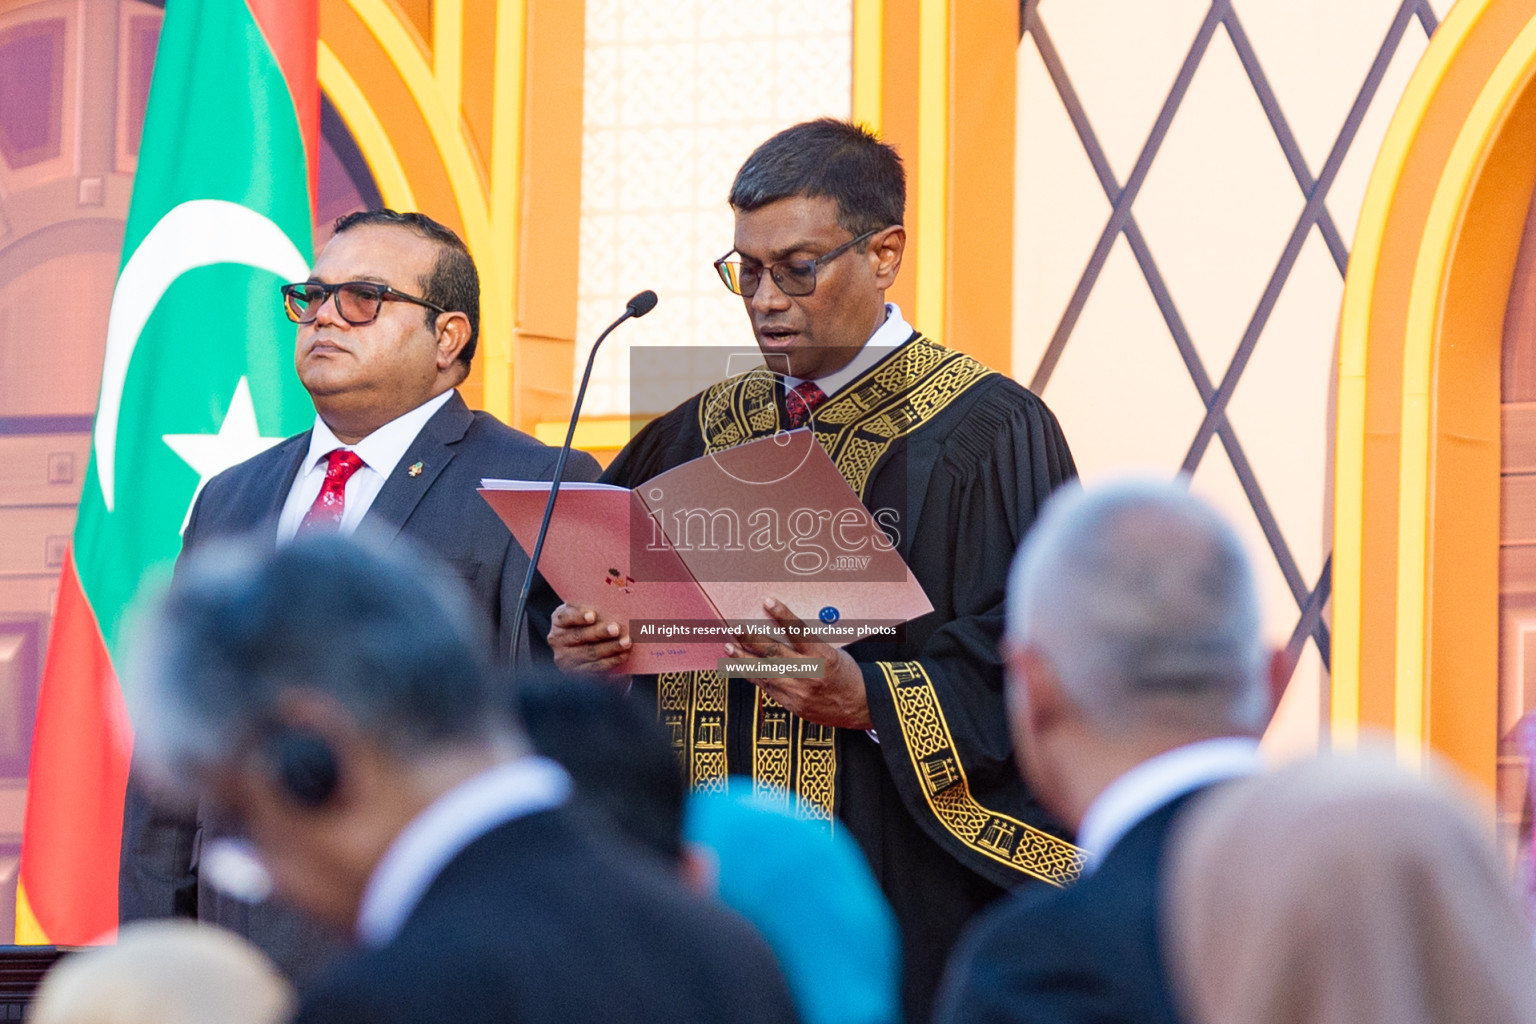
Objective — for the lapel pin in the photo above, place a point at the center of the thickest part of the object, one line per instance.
(415, 469)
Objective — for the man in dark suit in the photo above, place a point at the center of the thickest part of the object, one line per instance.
(1137, 678)
(388, 325)
(341, 707)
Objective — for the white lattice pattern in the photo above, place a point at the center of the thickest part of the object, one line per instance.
(678, 93)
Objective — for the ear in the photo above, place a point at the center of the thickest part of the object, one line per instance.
(1281, 665)
(452, 336)
(313, 746)
(304, 765)
(1037, 703)
(885, 251)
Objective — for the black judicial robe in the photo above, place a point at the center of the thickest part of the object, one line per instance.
(964, 457)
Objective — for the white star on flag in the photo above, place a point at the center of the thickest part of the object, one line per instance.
(238, 439)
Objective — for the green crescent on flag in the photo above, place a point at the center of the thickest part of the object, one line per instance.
(198, 376)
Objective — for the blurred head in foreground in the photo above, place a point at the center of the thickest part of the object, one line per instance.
(321, 696)
(807, 890)
(1133, 629)
(616, 752)
(812, 895)
(1344, 891)
(165, 972)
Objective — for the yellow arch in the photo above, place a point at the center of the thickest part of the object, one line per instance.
(441, 119)
(1424, 288)
(484, 187)
(1354, 343)
(364, 124)
(1509, 79)
(868, 61)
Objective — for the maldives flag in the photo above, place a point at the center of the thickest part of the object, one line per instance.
(198, 376)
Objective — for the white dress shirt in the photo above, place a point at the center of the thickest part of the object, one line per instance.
(440, 833)
(381, 451)
(1157, 781)
(888, 337)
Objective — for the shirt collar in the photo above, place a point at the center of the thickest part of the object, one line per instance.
(434, 837)
(1157, 781)
(383, 449)
(888, 337)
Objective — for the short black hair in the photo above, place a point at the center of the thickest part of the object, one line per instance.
(617, 753)
(842, 161)
(454, 283)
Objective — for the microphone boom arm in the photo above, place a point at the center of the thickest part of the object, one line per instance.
(637, 307)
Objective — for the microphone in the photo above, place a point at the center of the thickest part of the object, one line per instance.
(636, 307)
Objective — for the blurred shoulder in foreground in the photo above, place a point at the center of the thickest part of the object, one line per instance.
(1342, 890)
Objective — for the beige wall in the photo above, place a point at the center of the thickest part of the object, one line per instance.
(1217, 208)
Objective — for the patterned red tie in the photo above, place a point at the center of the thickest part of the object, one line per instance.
(325, 514)
(801, 401)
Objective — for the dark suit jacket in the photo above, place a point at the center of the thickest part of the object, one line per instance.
(1087, 954)
(438, 512)
(546, 921)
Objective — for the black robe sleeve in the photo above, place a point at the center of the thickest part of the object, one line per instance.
(937, 701)
(661, 444)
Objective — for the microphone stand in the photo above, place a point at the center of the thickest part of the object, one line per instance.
(636, 307)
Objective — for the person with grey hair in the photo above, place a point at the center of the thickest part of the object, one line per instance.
(342, 711)
(901, 738)
(1137, 680)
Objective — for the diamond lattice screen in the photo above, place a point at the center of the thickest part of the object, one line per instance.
(678, 93)
(1190, 174)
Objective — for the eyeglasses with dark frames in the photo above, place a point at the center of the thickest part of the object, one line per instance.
(792, 277)
(357, 302)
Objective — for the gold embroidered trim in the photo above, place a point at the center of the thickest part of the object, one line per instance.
(771, 746)
(790, 754)
(816, 773)
(738, 409)
(692, 705)
(942, 778)
(856, 427)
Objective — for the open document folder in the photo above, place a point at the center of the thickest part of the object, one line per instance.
(687, 558)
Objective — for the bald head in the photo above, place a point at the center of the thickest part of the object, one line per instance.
(1142, 599)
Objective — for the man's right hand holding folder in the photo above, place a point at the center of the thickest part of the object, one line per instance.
(585, 644)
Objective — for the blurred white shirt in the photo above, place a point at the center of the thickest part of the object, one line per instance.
(440, 833)
(1155, 782)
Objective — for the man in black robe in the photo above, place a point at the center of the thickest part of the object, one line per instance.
(904, 741)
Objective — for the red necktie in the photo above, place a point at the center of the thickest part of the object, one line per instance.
(325, 514)
(801, 401)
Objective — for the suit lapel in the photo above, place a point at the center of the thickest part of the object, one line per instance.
(402, 492)
(1141, 847)
(276, 481)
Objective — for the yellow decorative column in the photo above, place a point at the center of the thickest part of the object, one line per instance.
(953, 121)
(438, 97)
